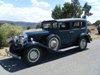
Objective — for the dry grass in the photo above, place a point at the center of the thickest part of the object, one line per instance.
(30, 30)
(95, 36)
(3, 51)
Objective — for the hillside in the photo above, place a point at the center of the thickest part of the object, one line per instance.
(20, 23)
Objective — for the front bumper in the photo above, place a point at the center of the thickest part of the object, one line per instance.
(13, 55)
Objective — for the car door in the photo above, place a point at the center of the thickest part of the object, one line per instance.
(75, 30)
(64, 32)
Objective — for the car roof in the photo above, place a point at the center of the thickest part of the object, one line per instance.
(66, 19)
(71, 19)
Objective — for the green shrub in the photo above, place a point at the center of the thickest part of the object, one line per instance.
(8, 30)
(11, 30)
(3, 38)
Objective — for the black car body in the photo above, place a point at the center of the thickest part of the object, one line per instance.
(54, 36)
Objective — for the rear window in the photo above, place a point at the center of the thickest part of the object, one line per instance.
(76, 24)
(83, 24)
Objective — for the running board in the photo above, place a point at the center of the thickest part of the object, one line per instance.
(66, 49)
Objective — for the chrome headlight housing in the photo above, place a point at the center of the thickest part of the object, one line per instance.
(14, 38)
(23, 38)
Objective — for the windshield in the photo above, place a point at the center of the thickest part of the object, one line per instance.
(49, 25)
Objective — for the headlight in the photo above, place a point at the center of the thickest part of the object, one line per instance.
(15, 38)
(9, 40)
(23, 38)
(24, 35)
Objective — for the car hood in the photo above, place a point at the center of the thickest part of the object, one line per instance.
(36, 32)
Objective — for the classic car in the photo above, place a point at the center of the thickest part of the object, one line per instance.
(54, 36)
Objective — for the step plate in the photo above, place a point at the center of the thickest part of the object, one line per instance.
(66, 49)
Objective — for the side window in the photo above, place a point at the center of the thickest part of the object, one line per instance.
(64, 25)
(76, 25)
(55, 25)
(83, 24)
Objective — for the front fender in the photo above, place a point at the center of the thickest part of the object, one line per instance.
(33, 44)
(11, 42)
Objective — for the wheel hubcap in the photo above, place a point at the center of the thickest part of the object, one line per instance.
(54, 43)
(33, 55)
(83, 43)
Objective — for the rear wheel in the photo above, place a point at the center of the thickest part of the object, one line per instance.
(32, 55)
(83, 43)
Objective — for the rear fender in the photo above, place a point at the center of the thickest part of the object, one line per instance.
(87, 36)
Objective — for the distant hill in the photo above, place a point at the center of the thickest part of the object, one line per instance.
(20, 23)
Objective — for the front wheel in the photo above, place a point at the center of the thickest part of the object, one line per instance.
(82, 44)
(32, 55)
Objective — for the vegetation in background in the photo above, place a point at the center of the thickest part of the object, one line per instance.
(38, 25)
(29, 27)
(86, 8)
(67, 11)
(8, 30)
(2, 38)
(97, 23)
(71, 10)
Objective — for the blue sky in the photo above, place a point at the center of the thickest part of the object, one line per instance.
(39, 10)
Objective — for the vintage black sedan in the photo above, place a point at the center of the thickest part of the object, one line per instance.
(54, 36)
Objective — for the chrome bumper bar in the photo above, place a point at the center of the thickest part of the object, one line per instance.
(13, 55)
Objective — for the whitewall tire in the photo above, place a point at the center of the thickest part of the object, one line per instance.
(33, 55)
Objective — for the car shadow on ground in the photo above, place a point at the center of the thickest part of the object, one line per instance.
(14, 65)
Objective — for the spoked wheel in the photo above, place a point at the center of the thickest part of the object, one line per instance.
(83, 44)
(32, 56)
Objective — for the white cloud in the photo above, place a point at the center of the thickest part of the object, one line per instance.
(94, 17)
(91, 1)
(68, 1)
(6, 5)
(39, 4)
(29, 14)
(1, 2)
